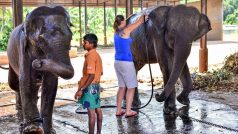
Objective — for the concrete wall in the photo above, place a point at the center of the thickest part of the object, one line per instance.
(215, 14)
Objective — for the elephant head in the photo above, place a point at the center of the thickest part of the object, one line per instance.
(38, 52)
(48, 34)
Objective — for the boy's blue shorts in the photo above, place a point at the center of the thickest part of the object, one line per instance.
(91, 97)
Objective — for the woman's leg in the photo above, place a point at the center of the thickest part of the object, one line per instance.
(91, 120)
(129, 99)
(99, 120)
(120, 95)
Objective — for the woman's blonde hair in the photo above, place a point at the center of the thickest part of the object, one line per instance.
(117, 22)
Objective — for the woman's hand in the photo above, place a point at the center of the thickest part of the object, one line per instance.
(143, 18)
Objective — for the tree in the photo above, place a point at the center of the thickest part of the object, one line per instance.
(230, 8)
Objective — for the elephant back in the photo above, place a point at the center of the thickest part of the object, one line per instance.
(147, 35)
(183, 19)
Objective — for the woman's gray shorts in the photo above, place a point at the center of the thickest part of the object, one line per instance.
(126, 74)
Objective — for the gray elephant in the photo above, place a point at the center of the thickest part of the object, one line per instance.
(168, 37)
(38, 52)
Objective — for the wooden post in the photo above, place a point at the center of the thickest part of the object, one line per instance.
(85, 17)
(105, 23)
(203, 52)
(141, 5)
(17, 6)
(129, 8)
(115, 7)
(80, 25)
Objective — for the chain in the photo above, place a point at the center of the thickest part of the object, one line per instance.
(51, 3)
(209, 123)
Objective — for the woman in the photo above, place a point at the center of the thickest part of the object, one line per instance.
(124, 65)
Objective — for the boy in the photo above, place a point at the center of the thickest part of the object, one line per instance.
(88, 87)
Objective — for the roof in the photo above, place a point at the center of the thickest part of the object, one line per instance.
(109, 3)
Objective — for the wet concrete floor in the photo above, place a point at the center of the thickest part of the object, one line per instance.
(199, 118)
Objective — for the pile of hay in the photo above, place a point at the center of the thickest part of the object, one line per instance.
(223, 79)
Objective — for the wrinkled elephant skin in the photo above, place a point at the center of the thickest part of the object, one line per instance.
(167, 37)
(38, 52)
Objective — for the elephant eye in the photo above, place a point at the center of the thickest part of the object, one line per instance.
(57, 31)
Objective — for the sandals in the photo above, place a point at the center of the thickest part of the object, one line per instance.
(121, 113)
(133, 113)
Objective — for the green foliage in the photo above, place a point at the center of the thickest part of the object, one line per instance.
(95, 23)
(232, 18)
(6, 27)
(4, 36)
(230, 14)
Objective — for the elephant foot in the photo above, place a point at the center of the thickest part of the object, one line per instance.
(170, 123)
(136, 103)
(52, 131)
(33, 129)
(160, 98)
(183, 100)
(170, 110)
(19, 116)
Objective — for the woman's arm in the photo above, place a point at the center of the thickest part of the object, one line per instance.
(127, 31)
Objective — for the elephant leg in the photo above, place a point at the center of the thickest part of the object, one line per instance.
(187, 86)
(13, 82)
(166, 65)
(32, 120)
(49, 89)
(136, 100)
(169, 104)
(28, 91)
(181, 53)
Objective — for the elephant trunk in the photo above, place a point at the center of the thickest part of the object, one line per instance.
(58, 64)
(58, 68)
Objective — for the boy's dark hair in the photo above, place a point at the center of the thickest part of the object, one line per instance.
(91, 38)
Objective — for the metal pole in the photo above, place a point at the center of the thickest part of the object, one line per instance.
(17, 6)
(105, 23)
(85, 17)
(203, 52)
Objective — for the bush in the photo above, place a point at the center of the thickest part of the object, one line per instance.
(4, 36)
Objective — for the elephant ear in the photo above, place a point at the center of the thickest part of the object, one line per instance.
(33, 28)
(204, 26)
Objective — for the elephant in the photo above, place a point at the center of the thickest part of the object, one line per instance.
(38, 52)
(166, 38)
